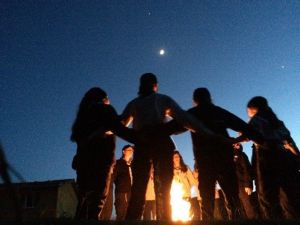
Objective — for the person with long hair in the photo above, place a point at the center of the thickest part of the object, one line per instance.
(153, 109)
(276, 173)
(184, 176)
(93, 132)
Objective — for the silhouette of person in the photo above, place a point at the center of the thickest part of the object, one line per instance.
(123, 180)
(215, 158)
(220, 207)
(107, 209)
(94, 158)
(275, 171)
(7, 183)
(150, 109)
(245, 182)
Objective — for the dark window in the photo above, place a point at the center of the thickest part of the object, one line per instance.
(30, 200)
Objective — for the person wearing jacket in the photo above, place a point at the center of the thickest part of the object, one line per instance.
(245, 182)
(184, 176)
(215, 158)
(276, 173)
(122, 176)
(92, 131)
(153, 109)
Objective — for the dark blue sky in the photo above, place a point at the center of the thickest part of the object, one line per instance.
(52, 52)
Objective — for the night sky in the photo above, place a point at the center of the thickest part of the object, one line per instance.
(53, 51)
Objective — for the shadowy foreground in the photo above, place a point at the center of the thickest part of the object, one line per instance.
(111, 222)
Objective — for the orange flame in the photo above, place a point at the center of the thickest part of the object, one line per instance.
(180, 207)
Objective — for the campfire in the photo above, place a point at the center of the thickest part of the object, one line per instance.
(180, 206)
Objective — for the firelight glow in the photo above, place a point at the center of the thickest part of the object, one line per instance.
(180, 207)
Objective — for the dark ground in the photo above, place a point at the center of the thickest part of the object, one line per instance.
(74, 222)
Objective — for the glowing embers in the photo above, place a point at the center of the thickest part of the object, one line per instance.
(180, 206)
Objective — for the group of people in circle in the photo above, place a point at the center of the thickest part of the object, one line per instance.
(275, 157)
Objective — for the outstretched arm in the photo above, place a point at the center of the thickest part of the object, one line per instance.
(126, 117)
(186, 119)
(235, 123)
(118, 128)
(173, 127)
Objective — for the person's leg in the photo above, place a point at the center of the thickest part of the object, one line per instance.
(108, 207)
(287, 204)
(242, 209)
(220, 212)
(195, 208)
(207, 183)
(217, 209)
(150, 210)
(81, 209)
(93, 188)
(267, 185)
(163, 176)
(229, 186)
(97, 194)
(289, 185)
(140, 172)
(206, 160)
(248, 208)
(153, 210)
(147, 211)
(120, 205)
(81, 189)
(227, 179)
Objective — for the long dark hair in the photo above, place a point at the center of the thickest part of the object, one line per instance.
(92, 96)
(147, 82)
(264, 110)
(183, 166)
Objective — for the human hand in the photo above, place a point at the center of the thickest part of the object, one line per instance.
(109, 132)
(248, 190)
(236, 146)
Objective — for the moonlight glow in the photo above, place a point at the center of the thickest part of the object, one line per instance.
(161, 51)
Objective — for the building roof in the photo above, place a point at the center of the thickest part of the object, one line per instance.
(49, 183)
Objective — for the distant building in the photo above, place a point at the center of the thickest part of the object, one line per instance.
(40, 200)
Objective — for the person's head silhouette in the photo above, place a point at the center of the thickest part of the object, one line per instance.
(148, 84)
(201, 96)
